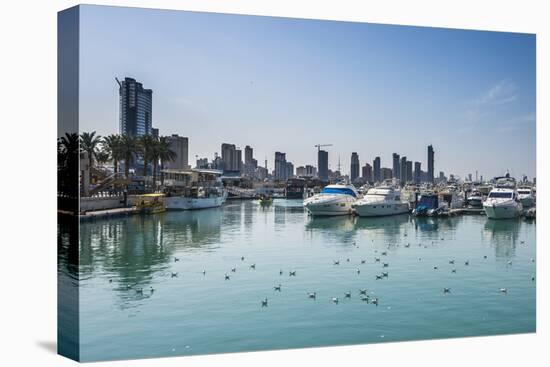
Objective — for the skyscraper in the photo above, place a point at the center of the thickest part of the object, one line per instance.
(289, 170)
(430, 164)
(409, 171)
(403, 171)
(248, 154)
(367, 173)
(354, 172)
(417, 172)
(322, 164)
(280, 166)
(136, 106)
(376, 170)
(396, 170)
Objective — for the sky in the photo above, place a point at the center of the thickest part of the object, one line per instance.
(282, 84)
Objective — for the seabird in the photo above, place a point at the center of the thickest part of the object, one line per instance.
(347, 260)
(312, 294)
(453, 271)
(253, 266)
(363, 261)
(435, 267)
(408, 245)
(110, 280)
(446, 290)
(384, 253)
(510, 262)
(151, 289)
(233, 270)
(484, 256)
(532, 260)
(362, 291)
(227, 277)
(336, 262)
(264, 302)
(358, 271)
(365, 298)
(347, 294)
(281, 272)
(374, 301)
(204, 272)
(503, 290)
(451, 261)
(176, 259)
(385, 274)
(292, 273)
(385, 265)
(277, 288)
(377, 259)
(378, 277)
(174, 275)
(335, 299)
(242, 258)
(139, 290)
(467, 262)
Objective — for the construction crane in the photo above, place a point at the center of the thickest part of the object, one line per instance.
(318, 146)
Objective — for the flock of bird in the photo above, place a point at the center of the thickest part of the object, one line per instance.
(363, 293)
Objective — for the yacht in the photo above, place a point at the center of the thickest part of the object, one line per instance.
(526, 197)
(429, 205)
(502, 203)
(334, 199)
(452, 196)
(381, 201)
(194, 189)
(475, 199)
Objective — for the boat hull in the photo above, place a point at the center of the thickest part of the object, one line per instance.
(379, 210)
(506, 211)
(330, 208)
(527, 202)
(185, 203)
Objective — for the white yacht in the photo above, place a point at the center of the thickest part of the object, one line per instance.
(526, 197)
(475, 199)
(502, 203)
(334, 199)
(381, 201)
(452, 196)
(194, 189)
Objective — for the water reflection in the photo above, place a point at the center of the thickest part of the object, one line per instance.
(503, 235)
(390, 227)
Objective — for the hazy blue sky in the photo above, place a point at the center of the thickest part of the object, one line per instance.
(280, 84)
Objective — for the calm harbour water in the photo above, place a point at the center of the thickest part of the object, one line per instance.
(196, 313)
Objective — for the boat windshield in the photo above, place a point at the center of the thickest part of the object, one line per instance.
(338, 190)
(525, 192)
(500, 195)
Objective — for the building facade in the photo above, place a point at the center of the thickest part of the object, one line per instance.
(367, 173)
(396, 170)
(180, 146)
(355, 167)
(280, 166)
(322, 165)
(231, 158)
(135, 108)
(377, 174)
(430, 163)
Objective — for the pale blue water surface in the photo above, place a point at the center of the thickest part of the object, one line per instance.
(196, 313)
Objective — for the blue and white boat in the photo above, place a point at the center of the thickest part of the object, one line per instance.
(429, 205)
(334, 199)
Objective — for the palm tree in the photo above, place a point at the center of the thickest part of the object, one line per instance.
(111, 145)
(68, 148)
(165, 154)
(128, 148)
(155, 156)
(89, 142)
(146, 144)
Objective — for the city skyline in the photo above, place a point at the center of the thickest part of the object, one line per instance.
(279, 84)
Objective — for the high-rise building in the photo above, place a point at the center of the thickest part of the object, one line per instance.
(135, 108)
(300, 171)
(248, 155)
(376, 170)
(386, 173)
(355, 166)
(403, 171)
(322, 164)
(367, 173)
(417, 172)
(289, 170)
(395, 167)
(409, 171)
(180, 145)
(430, 163)
(280, 166)
(231, 157)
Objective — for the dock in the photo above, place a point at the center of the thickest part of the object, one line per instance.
(108, 213)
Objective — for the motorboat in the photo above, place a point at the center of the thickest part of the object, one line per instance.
(429, 205)
(452, 196)
(475, 199)
(526, 196)
(502, 203)
(381, 201)
(336, 199)
(194, 189)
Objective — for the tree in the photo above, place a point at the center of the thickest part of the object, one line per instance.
(128, 149)
(111, 145)
(146, 145)
(165, 154)
(89, 142)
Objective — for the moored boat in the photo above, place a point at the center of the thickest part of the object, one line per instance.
(526, 197)
(194, 189)
(381, 201)
(502, 203)
(334, 199)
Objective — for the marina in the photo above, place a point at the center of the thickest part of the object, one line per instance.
(155, 284)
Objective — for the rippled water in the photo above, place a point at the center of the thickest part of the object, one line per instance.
(196, 313)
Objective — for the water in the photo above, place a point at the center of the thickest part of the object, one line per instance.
(194, 313)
